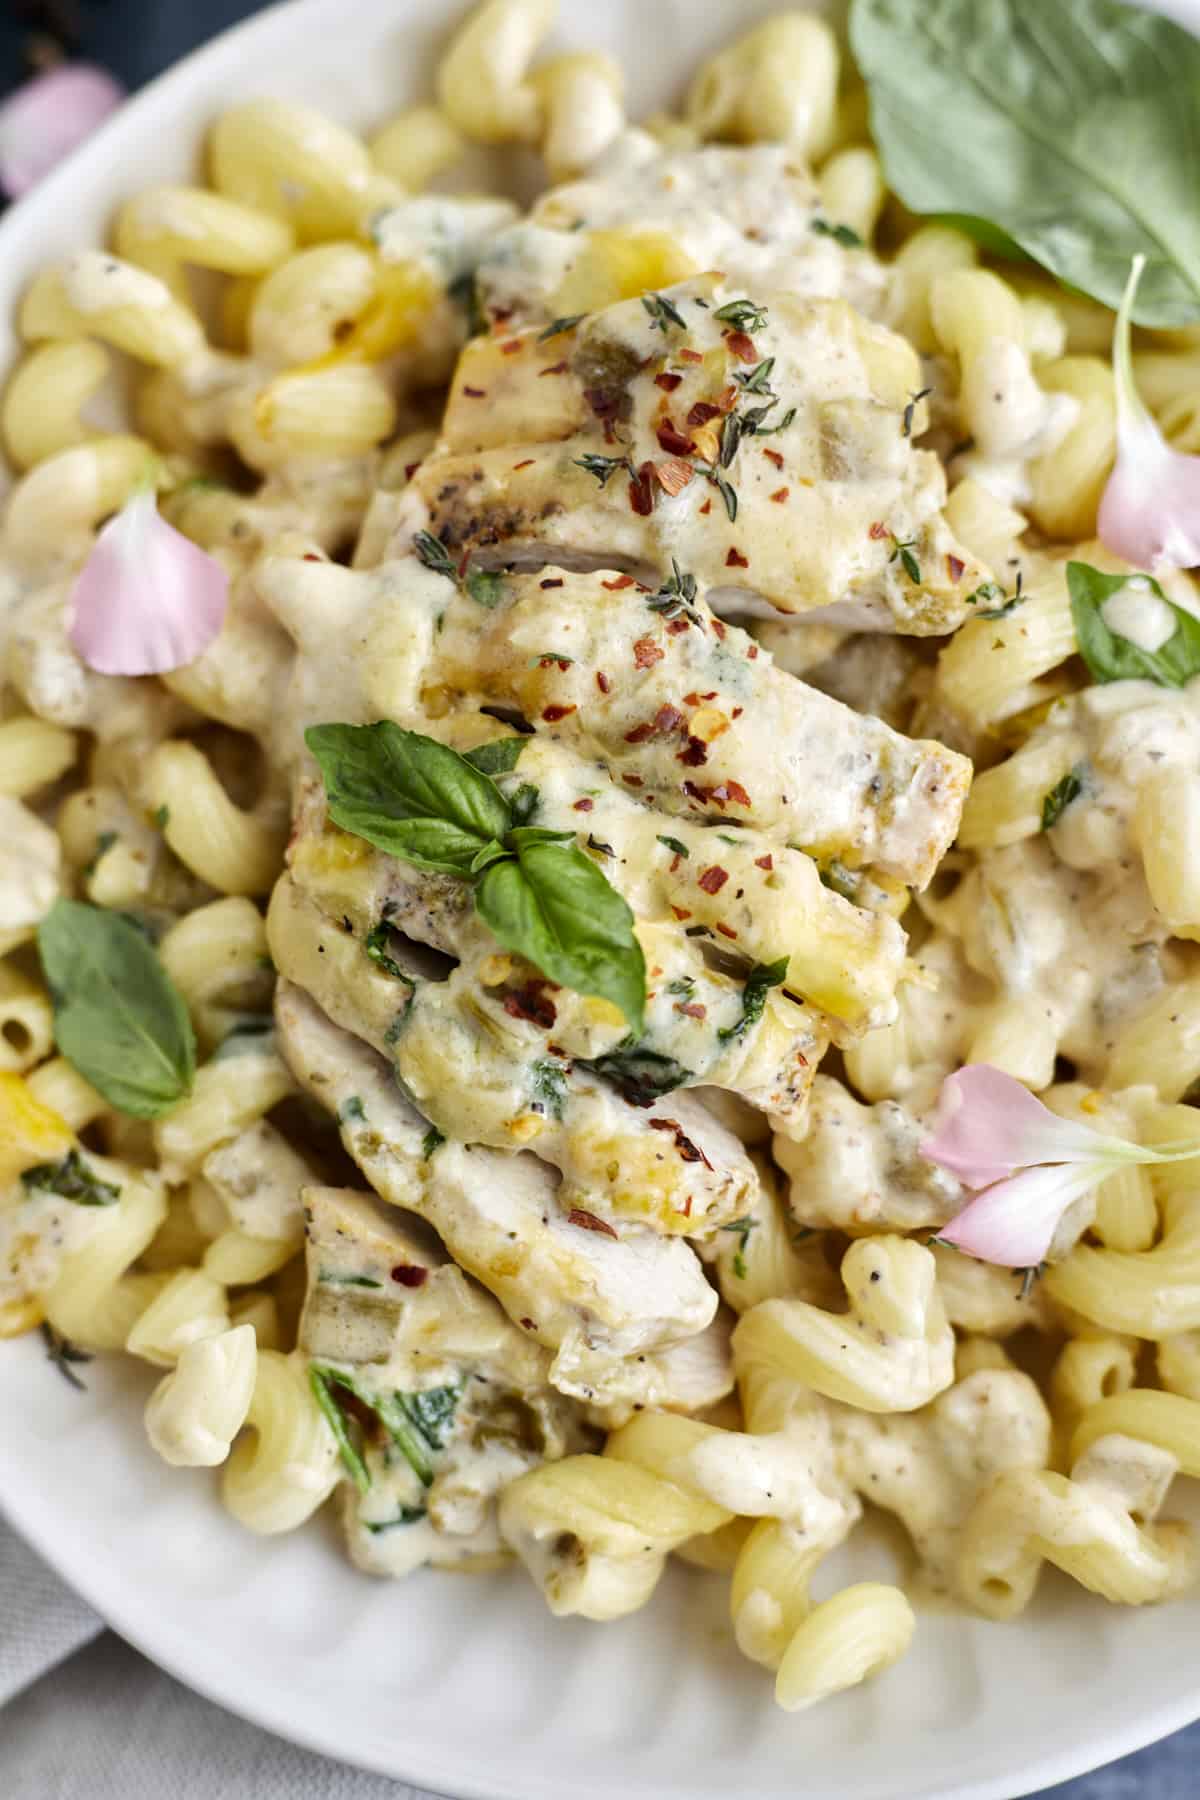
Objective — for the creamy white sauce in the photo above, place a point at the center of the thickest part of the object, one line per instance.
(1137, 614)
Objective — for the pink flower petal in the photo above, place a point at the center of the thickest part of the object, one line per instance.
(147, 599)
(48, 118)
(987, 1126)
(1013, 1222)
(1150, 511)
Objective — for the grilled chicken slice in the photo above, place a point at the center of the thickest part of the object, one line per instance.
(652, 684)
(762, 441)
(643, 217)
(622, 1292)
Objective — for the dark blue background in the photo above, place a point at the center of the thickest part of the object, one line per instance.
(138, 38)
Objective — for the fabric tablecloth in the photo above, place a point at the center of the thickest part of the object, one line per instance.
(82, 1716)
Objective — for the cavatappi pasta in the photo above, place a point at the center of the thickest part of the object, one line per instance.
(736, 548)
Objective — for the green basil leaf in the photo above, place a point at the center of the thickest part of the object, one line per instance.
(322, 1381)
(1111, 657)
(71, 1179)
(548, 1089)
(1056, 802)
(432, 1412)
(499, 757)
(640, 1075)
(759, 982)
(408, 795)
(491, 853)
(118, 1017)
(554, 906)
(1073, 128)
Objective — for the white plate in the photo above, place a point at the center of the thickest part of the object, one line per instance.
(467, 1685)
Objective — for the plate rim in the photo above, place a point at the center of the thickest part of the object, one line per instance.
(150, 1631)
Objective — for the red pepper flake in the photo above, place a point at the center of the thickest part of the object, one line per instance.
(511, 347)
(409, 1275)
(646, 653)
(475, 393)
(780, 495)
(954, 567)
(692, 699)
(680, 912)
(639, 734)
(696, 793)
(527, 1324)
(674, 441)
(558, 368)
(622, 581)
(742, 345)
(688, 1151)
(751, 656)
(667, 382)
(737, 712)
(690, 356)
(501, 314)
(602, 682)
(642, 490)
(589, 1222)
(553, 714)
(879, 531)
(693, 1010)
(675, 626)
(719, 627)
(713, 879)
(733, 790)
(727, 399)
(706, 509)
(532, 1004)
(735, 560)
(410, 470)
(583, 806)
(633, 781)
(555, 581)
(527, 464)
(694, 755)
(311, 556)
(764, 862)
(702, 412)
(667, 718)
(673, 476)
(726, 930)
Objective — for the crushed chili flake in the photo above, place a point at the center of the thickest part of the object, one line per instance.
(527, 464)
(641, 490)
(775, 457)
(752, 654)
(554, 582)
(742, 345)
(553, 714)
(511, 347)
(532, 1004)
(409, 1275)
(646, 653)
(690, 356)
(780, 495)
(675, 626)
(735, 560)
(667, 382)
(726, 930)
(718, 626)
(584, 805)
(680, 912)
(688, 1152)
(602, 682)
(475, 393)
(589, 1222)
(694, 754)
(528, 1324)
(615, 587)
(878, 531)
(311, 556)
(673, 476)
(693, 1010)
(737, 712)
(672, 440)
(706, 508)
(713, 879)
(558, 368)
(410, 470)
(954, 567)
(764, 862)
(702, 412)
(731, 790)
(633, 781)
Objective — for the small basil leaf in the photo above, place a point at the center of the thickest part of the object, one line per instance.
(408, 795)
(491, 853)
(553, 906)
(1111, 657)
(522, 835)
(486, 588)
(1060, 797)
(761, 979)
(499, 757)
(118, 1018)
(1008, 111)
(641, 1075)
(71, 1179)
